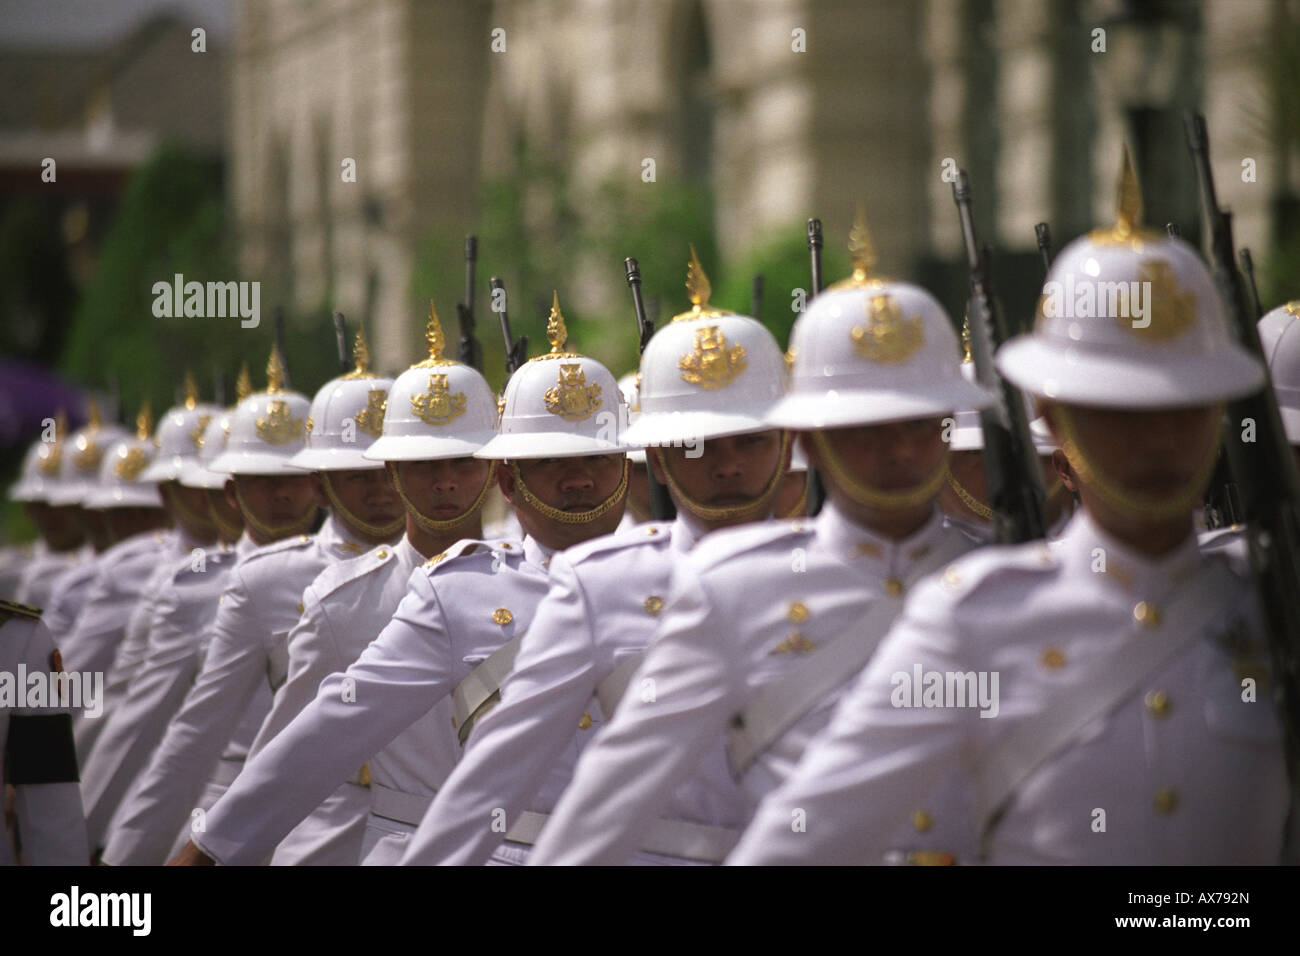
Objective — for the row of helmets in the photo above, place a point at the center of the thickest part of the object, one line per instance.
(867, 350)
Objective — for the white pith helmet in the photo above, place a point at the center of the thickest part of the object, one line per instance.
(121, 484)
(195, 472)
(41, 465)
(1095, 343)
(631, 390)
(266, 430)
(559, 405)
(82, 455)
(868, 351)
(1279, 333)
(179, 435)
(347, 415)
(438, 408)
(707, 374)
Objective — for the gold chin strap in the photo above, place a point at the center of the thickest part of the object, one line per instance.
(979, 508)
(572, 517)
(800, 508)
(433, 524)
(1126, 502)
(225, 529)
(275, 531)
(759, 505)
(381, 531)
(877, 498)
(200, 522)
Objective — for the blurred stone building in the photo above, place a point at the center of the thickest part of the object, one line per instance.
(785, 108)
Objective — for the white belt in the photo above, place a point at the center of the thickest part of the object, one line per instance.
(227, 770)
(398, 805)
(679, 838)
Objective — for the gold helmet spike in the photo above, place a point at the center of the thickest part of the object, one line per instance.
(191, 390)
(698, 291)
(862, 251)
(360, 356)
(275, 371)
(94, 418)
(60, 424)
(1129, 199)
(556, 331)
(437, 341)
(144, 421)
(965, 340)
(243, 384)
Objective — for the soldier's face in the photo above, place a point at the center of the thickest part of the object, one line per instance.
(224, 507)
(126, 523)
(566, 484)
(368, 494)
(277, 499)
(727, 472)
(94, 526)
(192, 513)
(445, 489)
(57, 525)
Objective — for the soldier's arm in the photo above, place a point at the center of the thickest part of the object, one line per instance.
(518, 741)
(355, 714)
(852, 797)
(165, 794)
(677, 706)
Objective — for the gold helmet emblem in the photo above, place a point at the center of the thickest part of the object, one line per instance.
(571, 397)
(887, 338)
(438, 405)
(712, 363)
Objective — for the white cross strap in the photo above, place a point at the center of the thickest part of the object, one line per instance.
(480, 691)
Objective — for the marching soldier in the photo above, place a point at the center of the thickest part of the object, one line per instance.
(1279, 334)
(764, 625)
(62, 538)
(246, 654)
(438, 413)
(1133, 723)
(37, 756)
(453, 636)
(147, 688)
(708, 378)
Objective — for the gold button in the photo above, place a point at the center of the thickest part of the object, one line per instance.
(893, 587)
(653, 604)
(305, 538)
(584, 722)
(921, 821)
(651, 530)
(798, 612)
(382, 554)
(1146, 615)
(951, 579)
(1053, 658)
(502, 616)
(363, 777)
(505, 545)
(1166, 800)
(300, 607)
(1044, 556)
(1157, 702)
(453, 720)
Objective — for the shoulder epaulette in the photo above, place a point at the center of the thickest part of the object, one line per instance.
(339, 573)
(728, 543)
(292, 543)
(467, 546)
(650, 532)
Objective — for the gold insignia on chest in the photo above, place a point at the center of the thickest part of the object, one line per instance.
(712, 363)
(797, 612)
(371, 418)
(796, 643)
(502, 616)
(196, 436)
(1171, 311)
(571, 397)
(130, 462)
(1053, 658)
(279, 427)
(435, 559)
(888, 338)
(584, 722)
(438, 405)
(1146, 614)
(653, 605)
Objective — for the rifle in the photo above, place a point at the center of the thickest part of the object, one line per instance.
(279, 344)
(661, 504)
(1043, 232)
(1264, 469)
(1248, 267)
(341, 342)
(1172, 231)
(816, 492)
(516, 349)
(1014, 478)
(756, 297)
(470, 351)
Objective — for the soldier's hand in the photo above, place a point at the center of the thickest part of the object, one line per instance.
(191, 855)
